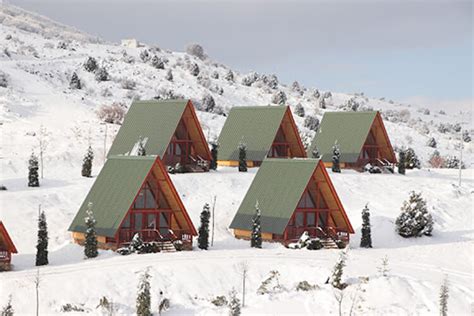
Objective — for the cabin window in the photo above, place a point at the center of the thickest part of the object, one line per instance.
(323, 218)
(310, 219)
(299, 219)
(126, 222)
(150, 199)
(306, 201)
(322, 203)
(164, 226)
(151, 221)
(138, 221)
(140, 201)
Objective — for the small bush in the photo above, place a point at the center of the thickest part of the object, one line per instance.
(196, 50)
(91, 64)
(305, 286)
(279, 98)
(194, 69)
(314, 244)
(250, 79)
(145, 55)
(431, 142)
(436, 161)
(101, 74)
(67, 308)
(311, 122)
(113, 113)
(157, 62)
(299, 110)
(215, 75)
(208, 103)
(220, 300)
(3, 188)
(128, 84)
(414, 219)
(229, 76)
(4, 79)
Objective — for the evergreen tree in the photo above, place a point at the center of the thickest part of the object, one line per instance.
(338, 270)
(8, 310)
(299, 110)
(90, 249)
(322, 103)
(214, 153)
(234, 304)
(366, 238)
(208, 103)
(75, 82)
(141, 151)
(137, 243)
(229, 76)
(157, 62)
(203, 238)
(336, 154)
(145, 55)
(42, 246)
(279, 98)
(143, 302)
(169, 75)
(414, 220)
(91, 64)
(256, 239)
(101, 74)
(432, 142)
(315, 153)
(401, 162)
(33, 178)
(87, 163)
(194, 70)
(443, 298)
(242, 157)
(412, 160)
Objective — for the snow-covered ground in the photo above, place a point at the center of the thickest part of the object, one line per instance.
(38, 94)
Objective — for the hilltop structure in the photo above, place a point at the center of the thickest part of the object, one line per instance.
(7, 247)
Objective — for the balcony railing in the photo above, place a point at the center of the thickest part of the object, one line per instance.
(126, 235)
(295, 233)
(4, 256)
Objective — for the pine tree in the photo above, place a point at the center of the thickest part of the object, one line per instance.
(33, 178)
(101, 74)
(443, 298)
(229, 76)
(234, 304)
(91, 64)
(75, 82)
(42, 246)
(8, 310)
(90, 249)
(169, 75)
(214, 153)
(256, 239)
(242, 157)
(322, 103)
(194, 70)
(299, 110)
(432, 142)
(411, 159)
(203, 238)
(141, 151)
(336, 154)
(414, 220)
(338, 270)
(87, 163)
(157, 62)
(143, 302)
(366, 238)
(401, 162)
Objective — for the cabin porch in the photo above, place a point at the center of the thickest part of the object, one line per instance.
(5, 260)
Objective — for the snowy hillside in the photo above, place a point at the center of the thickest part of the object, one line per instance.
(37, 60)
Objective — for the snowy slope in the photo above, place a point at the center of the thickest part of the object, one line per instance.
(38, 94)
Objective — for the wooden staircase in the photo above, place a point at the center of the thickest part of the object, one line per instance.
(166, 246)
(329, 243)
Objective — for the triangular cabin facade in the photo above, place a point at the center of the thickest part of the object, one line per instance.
(134, 195)
(267, 131)
(169, 129)
(294, 196)
(361, 136)
(7, 248)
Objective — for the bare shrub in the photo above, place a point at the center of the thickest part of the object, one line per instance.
(113, 113)
(196, 50)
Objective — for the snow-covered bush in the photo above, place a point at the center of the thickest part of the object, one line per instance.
(457, 127)
(432, 142)
(466, 137)
(113, 113)
(168, 94)
(272, 81)
(299, 110)
(4, 79)
(75, 83)
(157, 62)
(411, 159)
(68, 308)
(204, 81)
(62, 45)
(217, 89)
(453, 162)
(145, 55)
(295, 87)
(414, 220)
(249, 79)
(311, 122)
(279, 98)
(196, 50)
(351, 105)
(338, 270)
(327, 95)
(305, 286)
(126, 58)
(169, 75)
(270, 284)
(208, 103)
(194, 69)
(128, 84)
(315, 94)
(219, 301)
(229, 76)
(443, 128)
(91, 64)
(101, 74)
(396, 116)
(322, 103)
(215, 75)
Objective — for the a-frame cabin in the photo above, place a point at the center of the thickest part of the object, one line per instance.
(6, 249)
(134, 195)
(267, 131)
(361, 136)
(169, 129)
(294, 196)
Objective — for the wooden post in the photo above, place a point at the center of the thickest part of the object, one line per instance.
(213, 222)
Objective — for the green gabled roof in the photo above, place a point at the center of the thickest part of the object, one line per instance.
(257, 126)
(349, 129)
(156, 120)
(278, 187)
(113, 193)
